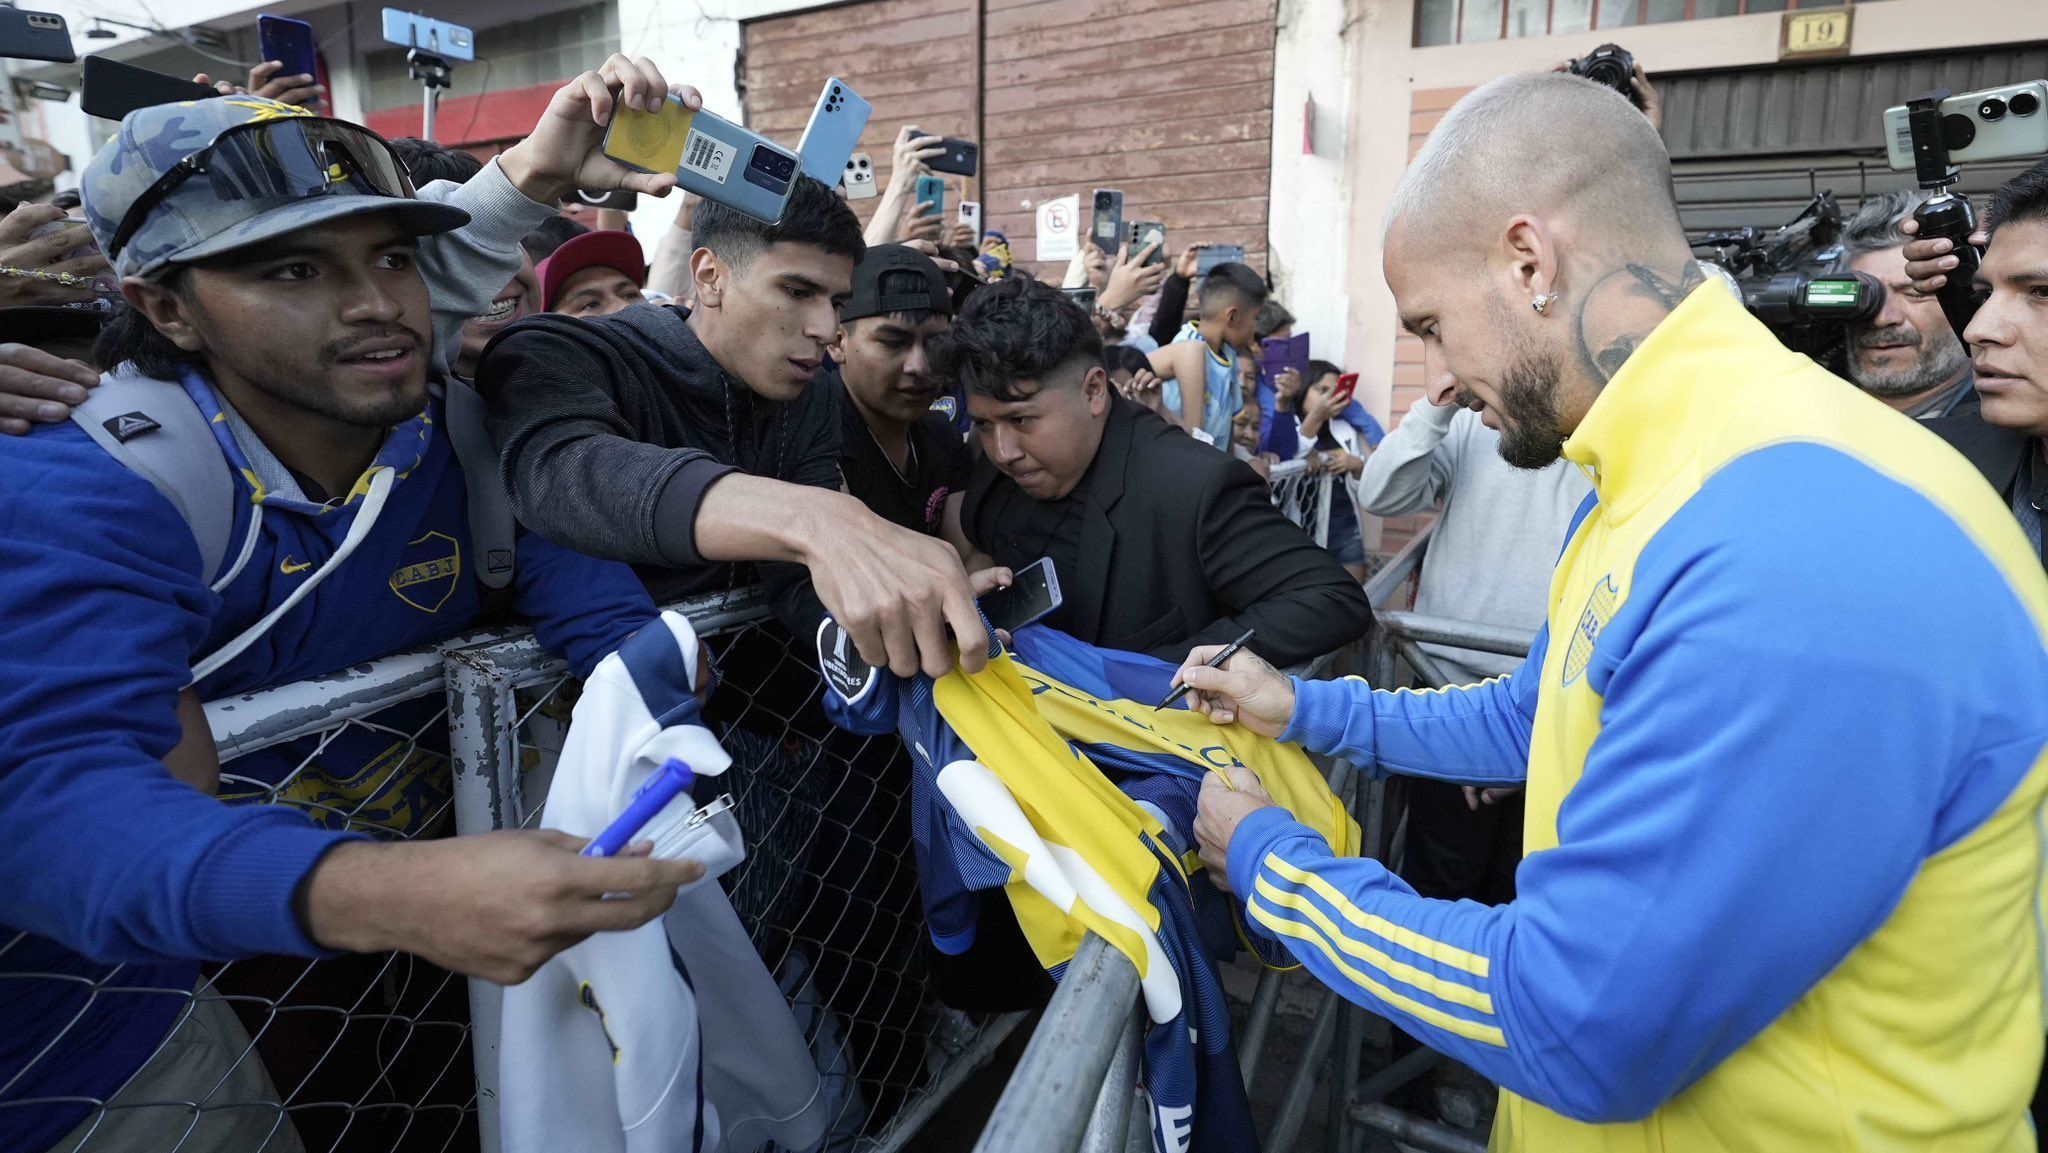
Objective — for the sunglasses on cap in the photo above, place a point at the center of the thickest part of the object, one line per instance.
(287, 159)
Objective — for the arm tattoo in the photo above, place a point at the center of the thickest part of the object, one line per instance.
(1624, 304)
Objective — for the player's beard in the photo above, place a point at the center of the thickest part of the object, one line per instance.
(1531, 432)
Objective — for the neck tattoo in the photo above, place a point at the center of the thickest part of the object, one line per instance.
(1616, 315)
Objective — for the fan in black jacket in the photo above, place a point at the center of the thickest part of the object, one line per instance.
(683, 441)
(1160, 543)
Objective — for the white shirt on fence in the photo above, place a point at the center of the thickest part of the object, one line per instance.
(601, 1050)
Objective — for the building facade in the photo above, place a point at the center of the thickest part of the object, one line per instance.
(1279, 124)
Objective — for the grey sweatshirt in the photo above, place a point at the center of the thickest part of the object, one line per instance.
(1497, 536)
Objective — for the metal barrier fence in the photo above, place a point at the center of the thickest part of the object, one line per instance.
(390, 1052)
(1076, 1085)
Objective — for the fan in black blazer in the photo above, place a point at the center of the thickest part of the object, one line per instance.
(1180, 545)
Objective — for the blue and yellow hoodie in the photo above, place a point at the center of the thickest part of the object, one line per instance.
(1783, 737)
(118, 874)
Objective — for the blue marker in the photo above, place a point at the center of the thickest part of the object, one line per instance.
(668, 782)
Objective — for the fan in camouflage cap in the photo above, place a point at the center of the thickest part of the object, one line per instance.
(184, 182)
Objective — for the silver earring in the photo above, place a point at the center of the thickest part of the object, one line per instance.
(1541, 301)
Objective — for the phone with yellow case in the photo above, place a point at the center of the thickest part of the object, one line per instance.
(710, 156)
(649, 141)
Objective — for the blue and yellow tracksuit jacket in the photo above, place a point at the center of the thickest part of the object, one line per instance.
(115, 872)
(1783, 738)
(1049, 777)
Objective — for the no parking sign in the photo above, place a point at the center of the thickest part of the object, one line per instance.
(1059, 228)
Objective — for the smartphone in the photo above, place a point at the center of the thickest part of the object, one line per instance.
(1991, 124)
(970, 215)
(1083, 296)
(111, 89)
(1144, 232)
(961, 157)
(860, 177)
(290, 42)
(704, 150)
(618, 199)
(834, 131)
(1033, 595)
(1347, 387)
(1277, 356)
(1211, 255)
(1108, 231)
(35, 36)
(411, 30)
(931, 196)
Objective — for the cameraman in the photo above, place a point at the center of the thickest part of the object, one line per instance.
(1906, 357)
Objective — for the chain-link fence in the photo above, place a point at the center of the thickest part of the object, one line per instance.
(387, 1051)
(1303, 497)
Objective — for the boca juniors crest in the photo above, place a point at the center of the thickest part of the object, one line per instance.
(1599, 610)
(427, 571)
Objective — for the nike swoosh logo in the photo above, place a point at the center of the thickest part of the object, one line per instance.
(290, 569)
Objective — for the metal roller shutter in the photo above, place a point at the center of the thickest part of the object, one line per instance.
(1751, 147)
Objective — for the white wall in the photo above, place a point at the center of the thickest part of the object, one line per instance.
(1308, 215)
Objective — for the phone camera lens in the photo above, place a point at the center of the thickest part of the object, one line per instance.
(835, 90)
(1992, 109)
(2024, 104)
(863, 162)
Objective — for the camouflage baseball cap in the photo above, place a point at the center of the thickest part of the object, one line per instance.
(269, 169)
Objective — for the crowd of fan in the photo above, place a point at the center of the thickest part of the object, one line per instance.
(875, 423)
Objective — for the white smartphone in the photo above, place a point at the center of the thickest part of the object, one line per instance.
(970, 215)
(1034, 594)
(860, 177)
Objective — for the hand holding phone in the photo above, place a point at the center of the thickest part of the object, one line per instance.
(709, 155)
(290, 43)
(1347, 387)
(1031, 597)
(957, 156)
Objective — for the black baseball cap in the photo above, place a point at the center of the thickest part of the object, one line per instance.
(867, 299)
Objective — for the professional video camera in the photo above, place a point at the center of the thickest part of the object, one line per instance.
(1931, 135)
(1794, 280)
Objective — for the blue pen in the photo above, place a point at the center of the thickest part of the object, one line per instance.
(668, 782)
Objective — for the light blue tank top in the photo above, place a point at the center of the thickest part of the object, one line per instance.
(1220, 407)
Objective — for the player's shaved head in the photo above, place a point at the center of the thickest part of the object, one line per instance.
(1532, 244)
(1547, 143)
